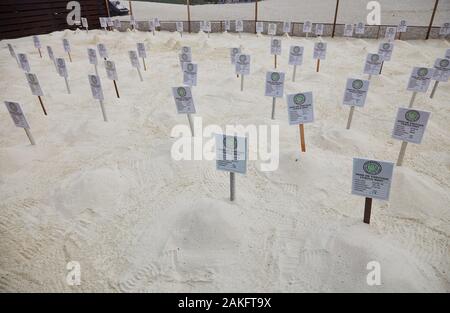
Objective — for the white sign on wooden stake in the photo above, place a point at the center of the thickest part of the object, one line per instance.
(372, 178)
(320, 50)
(385, 50)
(272, 29)
(17, 115)
(33, 82)
(356, 92)
(141, 50)
(111, 71)
(231, 153)
(445, 29)
(373, 64)
(179, 26)
(300, 108)
(296, 55)
(259, 27)
(227, 25)
(190, 74)
(441, 70)
(92, 54)
(360, 28)
(420, 79)
(348, 30)
(183, 100)
(243, 64)
(239, 26)
(23, 60)
(287, 27)
(233, 53)
(102, 51)
(96, 87)
(37, 42)
(84, 22)
(319, 30)
(390, 33)
(274, 84)
(410, 125)
(66, 45)
(307, 27)
(275, 46)
(50, 53)
(61, 67)
(402, 27)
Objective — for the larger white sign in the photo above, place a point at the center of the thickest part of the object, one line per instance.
(360, 28)
(320, 50)
(373, 64)
(372, 178)
(402, 27)
(307, 27)
(34, 84)
(275, 46)
(17, 115)
(296, 55)
(102, 51)
(231, 153)
(410, 125)
(420, 79)
(96, 87)
(111, 70)
(287, 26)
(441, 70)
(23, 60)
(390, 33)
(190, 74)
(356, 92)
(134, 59)
(300, 108)
(385, 50)
(239, 25)
(233, 53)
(92, 56)
(61, 67)
(183, 100)
(141, 50)
(274, 84)
(272, 29)
(243, 64)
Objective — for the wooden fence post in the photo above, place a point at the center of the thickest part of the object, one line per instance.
(432, 19)
(335, 18)
(189, 15)
(256, 13)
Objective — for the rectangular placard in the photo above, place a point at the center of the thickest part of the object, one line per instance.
(103, 22)
(372, 178)
(50, 53)
(156, 22)
(410, 125)
(307, 26)
(84, 22)
(190, 74)
(441, 70)
(402, 27)
(141, 50)
(320, 51)
(36, 41)
(179, 26)
(296, 55)
(118, 24)
(183, 100)
(348, 30)
(184, 58)
(17, 115)
(111, 71)
(102, 51)
(243, 64)
(300, 108)
(11, 51)
(445, 29)
(385, 50)
(33, 82)
(373, 64)
(134, 59)
(109, 21)
(202, 26)
(274, 84)
(227, 25)
(66, 45)
(133, 21)
(151, 25)
(231, 153)
(61, 67)
(275, 46)
(207, 26)
(233, 53)
(287, 26)
(272, 29)
(319, 30)
(447, 54)
(23, 60)
(239, 24)
(92, 54)
(96, 87)
(420, 79)
(356, 92)
(390, 33)
(259, 27)
(360, 28)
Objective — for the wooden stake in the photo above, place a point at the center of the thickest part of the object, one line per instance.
(256, 13)
(242, 82)
(275, 61)
(413, 98)
(232, 186)
(350, 116)
(302, 137)
(436, 83)
(318, 66)
(401, 155)
(191, 125)
(30, 137)
(367, 210)
(189, 15)
(335, 18)
(67, 85)
(70, 58)
(105, 118)
(140, 75)
(293, 75)
(42, 105)
(381, 68)
(274, 100)
(117, 90)
(378, 32)
(145, 66)
(432, 19)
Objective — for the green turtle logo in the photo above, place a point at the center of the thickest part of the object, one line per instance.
(372, 167)
(275, 77)
(375, 58)
(242, 58)
(13, 107)
(181, 92)
(109, 65)
(276, 43)
(299, 99)
(235, 50)
(94, 80)
(444, 63)
(422, 72)
(386, 46)
(61, 62)
(412, 116)
(296, 49)
(320, 45)
(184, 57)
(185, 49)
(357, 84)
(31, 79)
(190, 67)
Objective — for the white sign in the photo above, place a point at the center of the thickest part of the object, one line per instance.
(34, 84)
(184, 58)
(36, 41)
(231, 153)
(296, 55)
(356, 92)
(156, 22)
(385, 50)
(84, 22)
(441, 70)
(372, 178)
(110, 22)
(103, 22)
(227, 25)
(300, 108)
(320, 50)
(141, 50)
(151, 26)
(239, 26)
(92, 54)
(50, 53)
(447, 54)
(390, 33)
(373, 64)
(360, 28)
(66, 45)
(134, 59)
(274, 84)
(233, 53)
(348, 30)
(190, 74)
(243, 64)
(61, 67)
(445, 29)
(287, 26)
(23, 60)
(11, 51)
(420, 79)
(402, 27)
(96, 87)
(183, 100)
(307, 27)
(319, 30)
(272, 29)
(17, 115)
(410, 125)
(275, 46)
(202, 26)
(102, 51)
(133, 21)
(179, 26)
(186, 50)
(117, 24)
(208, 26)
(111, 70)
(259, 27)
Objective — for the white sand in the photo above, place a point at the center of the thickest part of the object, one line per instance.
(109, 196)
(416, 12)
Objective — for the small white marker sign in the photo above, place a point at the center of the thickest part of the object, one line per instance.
(110, 22)
(356, 92)
(141, 50)
(50, 53)
(117, 24)
(156, 22)
(185, 58)
(287, 26)
(23, 60)
(239, 25)
(441, 70)
(420, 79)
(92, 54)
(385, 50)
(111, 70)
(11, 51)
(17, 115)
(231, 153)
(183, 100)
(445, 29)
(102, 51)
(84, 22)
(33, 82)
(272, 29)
(275, 46)
(243, 64)
(360, 28)
(37, 42)
(320, 50)
(410, 125)
(66, 45)
(402, 27)
(103, 22)
(390, 33)
(61, 67)
(151, 26)
(134, 59)
(296, 55)
(319, 30)
(274, 84)
(372, 178)
(227, 25)
(207, 26)
(300, 108)
(307, 27)
(373, 64)
(259, 27)
(233, 53)
(96, 87)
(179, 26)
(190, 74)
(348, 30)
